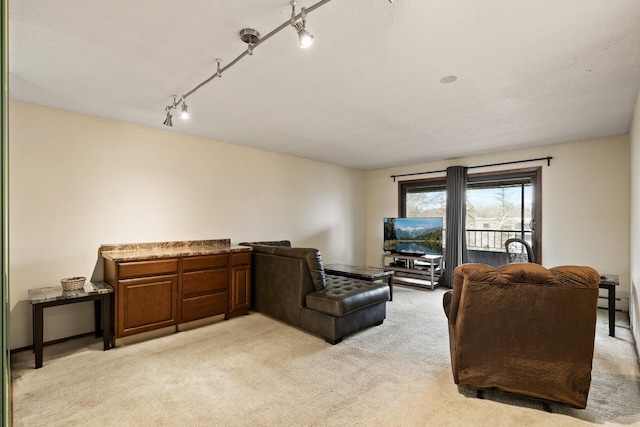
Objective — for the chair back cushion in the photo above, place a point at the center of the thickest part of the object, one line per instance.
(524, 329)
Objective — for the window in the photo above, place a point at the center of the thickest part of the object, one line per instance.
(500, 205)
(423, 198)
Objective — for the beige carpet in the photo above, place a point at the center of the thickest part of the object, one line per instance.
(256, 371)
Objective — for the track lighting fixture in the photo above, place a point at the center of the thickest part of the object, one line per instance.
(252, 38)
(184, 114)
(306, 38)
(167, 121)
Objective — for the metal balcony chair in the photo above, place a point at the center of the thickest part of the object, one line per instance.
(518, 250)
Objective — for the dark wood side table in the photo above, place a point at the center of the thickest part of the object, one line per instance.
(100, 292)
(370, 274)
(609, 282)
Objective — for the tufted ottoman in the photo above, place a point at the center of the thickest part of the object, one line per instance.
(348, 298)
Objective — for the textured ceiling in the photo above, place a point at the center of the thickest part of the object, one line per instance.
(366, 94)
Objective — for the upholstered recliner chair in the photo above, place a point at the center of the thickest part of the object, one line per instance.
(524, 329)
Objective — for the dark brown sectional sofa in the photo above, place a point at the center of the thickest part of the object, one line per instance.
(290, 284)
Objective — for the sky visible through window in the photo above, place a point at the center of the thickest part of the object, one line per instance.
(491, 196)
(493, 207)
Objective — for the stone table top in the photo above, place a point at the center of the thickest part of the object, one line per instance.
(56, 293)
(358, 271)
(145, 251)
(609, 279)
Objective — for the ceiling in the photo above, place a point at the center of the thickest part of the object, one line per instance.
(367, 94)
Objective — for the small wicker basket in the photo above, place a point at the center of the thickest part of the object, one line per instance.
(73, 283)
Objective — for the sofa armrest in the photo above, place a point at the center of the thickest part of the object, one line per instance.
(446, 302)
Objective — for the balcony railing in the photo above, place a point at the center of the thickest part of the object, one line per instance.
(493, 240)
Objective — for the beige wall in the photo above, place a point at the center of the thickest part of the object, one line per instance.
(585, 202)
(634, 303)
(78, 181)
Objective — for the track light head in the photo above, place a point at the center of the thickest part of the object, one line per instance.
(184, 114)
(167, 121)
(306, 38)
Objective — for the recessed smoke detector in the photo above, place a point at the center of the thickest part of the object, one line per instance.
(448, 79)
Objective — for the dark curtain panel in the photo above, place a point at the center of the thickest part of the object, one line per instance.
(456, 242)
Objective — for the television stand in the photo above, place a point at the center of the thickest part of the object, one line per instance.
(413, 270)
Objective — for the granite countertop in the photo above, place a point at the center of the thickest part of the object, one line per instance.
(54, 293)
(157, 250)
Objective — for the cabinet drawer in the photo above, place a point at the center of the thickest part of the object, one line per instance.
(148, 268)
(205, 262)
(198, 282)
(204, 306)
(241, 258)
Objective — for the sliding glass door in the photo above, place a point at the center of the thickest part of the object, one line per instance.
(497, 211)
(500, 205)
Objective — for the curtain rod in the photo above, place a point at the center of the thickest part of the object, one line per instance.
(548, 159)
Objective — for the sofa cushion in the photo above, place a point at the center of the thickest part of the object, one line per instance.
(343, 295)
(311, 256)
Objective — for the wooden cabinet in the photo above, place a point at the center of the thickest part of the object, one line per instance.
(145, 294)
(205, 287)
(156, 293)
(240, 292)
(145, 304)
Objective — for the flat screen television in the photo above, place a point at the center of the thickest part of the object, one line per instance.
(413, 236)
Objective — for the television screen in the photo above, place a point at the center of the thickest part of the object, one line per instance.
(413, 236)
